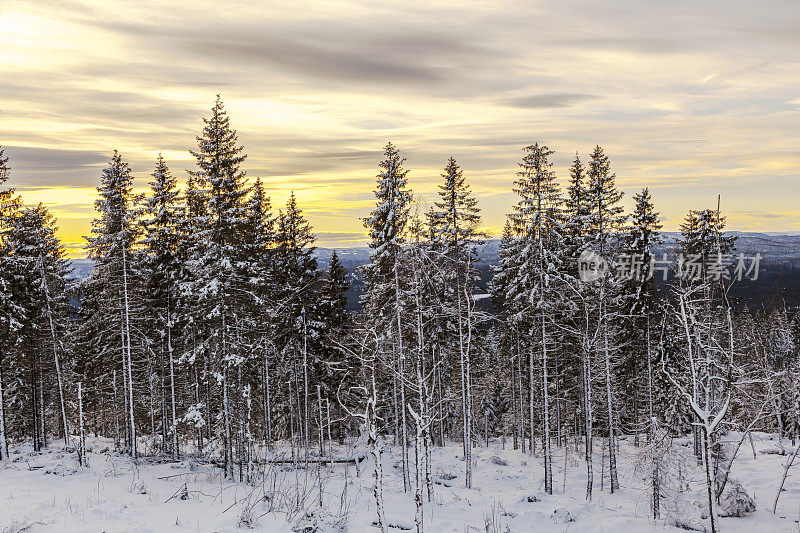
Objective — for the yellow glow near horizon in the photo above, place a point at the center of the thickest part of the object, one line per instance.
(689, 106)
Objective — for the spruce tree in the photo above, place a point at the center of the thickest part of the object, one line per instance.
(11, 316)
(383, 294)
(604, 226)
(534, 295)
(39, 290)
(577, 210)
(453, 221)
(163, 214)
(216, 261)
(108, 296)
(638, 301)
(299, 328)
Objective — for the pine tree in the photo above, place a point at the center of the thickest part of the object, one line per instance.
(259, 242)
(386, 226)
(333, 299)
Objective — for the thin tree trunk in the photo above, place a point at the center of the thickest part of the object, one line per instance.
(401, 369)
(227, 423)
(712, 502)
(375, 449)
(267, 399)
(786, 468)
(612, 455)
(116, 411)
(531, 402)
(587, 414)
(175, 450)
(128, 347)
(306, 435)
(548, 467)
(3, 440)
(54, 340)
(81, 436)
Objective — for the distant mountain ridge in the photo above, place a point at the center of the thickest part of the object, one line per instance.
(779, 269)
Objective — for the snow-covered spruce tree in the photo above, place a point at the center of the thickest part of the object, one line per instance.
(507, 336)
(109, 301)
(577, 210)
(638, 304)
(161, 270)
(217, 279)
(383, 294)
(582, 328)
(11, 315)
(335, 324)
(453, 223)
(261, 273)
(39, 289)
(298, 328)
(196, 355)
(603, 230)
(534, 294)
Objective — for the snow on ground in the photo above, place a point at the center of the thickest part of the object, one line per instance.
(50, 492)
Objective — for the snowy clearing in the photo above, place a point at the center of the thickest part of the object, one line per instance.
(50, 492)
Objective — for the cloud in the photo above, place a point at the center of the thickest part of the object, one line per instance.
(49, 167)
(762, 214)
(25, 158)
(548, 100)
(316, 89)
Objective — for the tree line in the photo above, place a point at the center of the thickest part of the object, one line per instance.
(207, 328)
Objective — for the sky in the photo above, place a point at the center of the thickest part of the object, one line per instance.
(692, 99)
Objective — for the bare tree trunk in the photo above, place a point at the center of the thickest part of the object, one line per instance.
(116, 411)
(466, 402)
(531, 403)
(786, 468)
(375, 449)
(227, 422)
(267, 401)
(125, 383)
(306, 436)
(55, 354)
(226, 404)
(3, 440)
(134, 452)
(81, 436)
(175, 450)
(587, 414)
(520, 394)
(401, 363)
(612, 455)
(712, 502)
(548, 467)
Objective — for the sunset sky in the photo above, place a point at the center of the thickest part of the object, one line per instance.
(689, 98)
